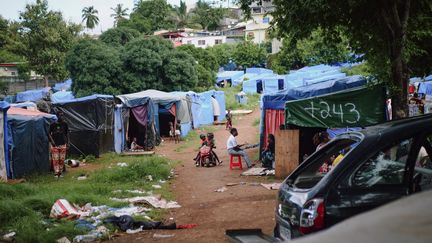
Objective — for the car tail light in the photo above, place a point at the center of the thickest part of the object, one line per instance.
(312, 216)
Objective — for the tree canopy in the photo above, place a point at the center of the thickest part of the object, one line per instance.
(119, 13)
(207, 16)
(89, 16)
(46, 38)
(118, 36)
(95, 67)
(393, 35)
(142, 63)
(248, 54)
(149, 16)
(313, 50)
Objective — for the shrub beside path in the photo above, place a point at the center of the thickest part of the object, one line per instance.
(240, 206)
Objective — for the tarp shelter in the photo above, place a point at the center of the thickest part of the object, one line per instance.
(200, 107)
(273, 83)
(259, 70)
(91, 121)
(62, 96)
(425, 88)
(254, 84)
(135, 118)
(26, 105)
(273, 105)
(166, 108)
(64, 86)
(4, 158)
(357, 107)
(235, 77)
(33, 95)
(220, 98)
(29, 146)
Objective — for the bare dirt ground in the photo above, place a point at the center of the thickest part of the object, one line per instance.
(239, 207)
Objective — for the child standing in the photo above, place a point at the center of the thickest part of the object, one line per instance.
(228, 117)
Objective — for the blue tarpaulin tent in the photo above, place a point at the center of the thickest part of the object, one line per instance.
(29, 146)
(425, 88)
(61, 96)
(254, 83)
(259, 70)
(220, 98)
(64, 86)
(4, 155)
(234, 76)
(273, 105)
(277, 100)
(165, 107)
(32, 95)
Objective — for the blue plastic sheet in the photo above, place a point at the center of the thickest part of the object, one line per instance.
(425, 88)
(234, 76)
(277, 100)
(64, 86)
(62, 96)
(32, 95)
(4, 106)
(259, 70)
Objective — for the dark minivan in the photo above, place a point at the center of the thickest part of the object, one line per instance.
(377, 165)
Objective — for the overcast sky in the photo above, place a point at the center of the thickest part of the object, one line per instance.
(71, 9)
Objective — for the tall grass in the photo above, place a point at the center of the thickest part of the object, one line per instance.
(25, 207)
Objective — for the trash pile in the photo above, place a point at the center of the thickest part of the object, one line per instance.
(93, 217)
(258, 172)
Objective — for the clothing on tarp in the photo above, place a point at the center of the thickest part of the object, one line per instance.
(126, 222)
(90, 117)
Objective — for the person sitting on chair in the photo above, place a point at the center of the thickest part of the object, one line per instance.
(235, 149)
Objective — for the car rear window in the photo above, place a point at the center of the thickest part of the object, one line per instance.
(326, 159)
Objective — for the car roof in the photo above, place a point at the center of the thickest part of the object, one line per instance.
(412, 124)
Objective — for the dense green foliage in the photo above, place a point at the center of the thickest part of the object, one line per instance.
(25, 207)
(395, 36)
(149, 16)
(223, 53)
(142, 63)
(248, 54)
(118, 36)
(207, 16)
(313, 50)
(46, 38)
(95, 67)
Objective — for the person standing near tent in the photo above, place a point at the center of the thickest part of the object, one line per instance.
(235, 149)
(228, 117)
(59, 139)
(216, 108)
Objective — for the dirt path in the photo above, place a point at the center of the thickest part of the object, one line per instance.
(241, 206)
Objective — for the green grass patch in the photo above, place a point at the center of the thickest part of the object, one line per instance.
(231, 103)
(25, 207)
(256, 122)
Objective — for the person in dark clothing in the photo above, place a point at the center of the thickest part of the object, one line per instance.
(228, 117)
(59, 139)
(212, 144)
(268, 155)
